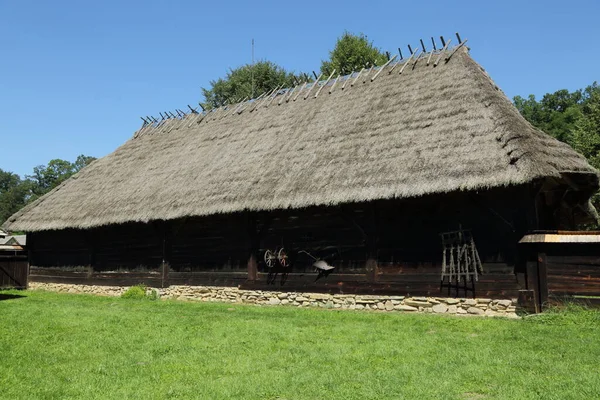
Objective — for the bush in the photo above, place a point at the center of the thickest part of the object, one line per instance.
(135, 292)
(140, 292)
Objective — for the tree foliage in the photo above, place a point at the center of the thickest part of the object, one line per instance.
(352, 53)
(572, 117)
(16, 192)
(246, 82)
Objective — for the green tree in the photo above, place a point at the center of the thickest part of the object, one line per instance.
(572, 117)
(14, 194)
(47, 177)
(246, 82)
(586, 135)
(81, 162)
(352, 53)
(556, 113)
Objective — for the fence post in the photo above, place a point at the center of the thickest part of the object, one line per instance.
(542, 279)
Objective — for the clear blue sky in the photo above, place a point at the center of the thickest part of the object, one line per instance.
(75, 76)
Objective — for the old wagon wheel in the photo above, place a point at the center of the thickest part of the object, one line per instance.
(282, 257)
(270, 259)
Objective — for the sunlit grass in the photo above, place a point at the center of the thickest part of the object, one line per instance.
(78, 346)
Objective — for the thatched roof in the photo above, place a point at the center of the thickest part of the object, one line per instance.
(427, 130)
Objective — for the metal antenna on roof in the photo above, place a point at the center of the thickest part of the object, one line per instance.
(423, 46)
(433, 42)
(443, 41)
(400, 52)
(252, 71)
(458, 37)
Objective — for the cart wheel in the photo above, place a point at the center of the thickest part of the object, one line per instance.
(270, 259)
(282, 257)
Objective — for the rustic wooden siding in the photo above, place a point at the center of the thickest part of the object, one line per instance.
(380, 247)
(13, 271)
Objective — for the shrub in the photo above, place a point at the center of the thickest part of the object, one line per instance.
(140, 292)
(135, 292)
(153, 295)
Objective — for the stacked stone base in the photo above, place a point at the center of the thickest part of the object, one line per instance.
(436, 305)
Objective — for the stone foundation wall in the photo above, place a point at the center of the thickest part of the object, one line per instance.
(437, 305)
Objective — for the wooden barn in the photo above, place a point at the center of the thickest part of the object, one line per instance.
(419, 177)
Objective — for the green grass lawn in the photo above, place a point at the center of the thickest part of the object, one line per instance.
(58, 346)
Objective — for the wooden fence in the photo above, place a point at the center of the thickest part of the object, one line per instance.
(14, 271)
(563, 272)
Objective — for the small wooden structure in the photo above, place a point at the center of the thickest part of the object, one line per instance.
(14, 268)
(561, 265)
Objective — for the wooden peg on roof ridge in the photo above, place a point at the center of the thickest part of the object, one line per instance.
(382, 68)
(325, 84)
(423, 46)
(287, 95)
(357, 76)
(334, 83)
(446, 44)
(407, 62)
(417, 57)
(300, 90)
(410, 49)
(433, 42)
(315, 83)
(455, 49)
(400, 52)
(367, 74)
(458, 37)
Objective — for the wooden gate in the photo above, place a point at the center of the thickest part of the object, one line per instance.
(14, 270)
(562, 266)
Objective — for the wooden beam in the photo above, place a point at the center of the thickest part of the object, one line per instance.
(542, 280)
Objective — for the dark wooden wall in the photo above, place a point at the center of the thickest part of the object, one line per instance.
(13, 270)
(390, 247)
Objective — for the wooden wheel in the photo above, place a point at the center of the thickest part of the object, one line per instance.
(270, 259)
(282, 257)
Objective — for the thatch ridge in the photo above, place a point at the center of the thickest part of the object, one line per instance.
(429, 130)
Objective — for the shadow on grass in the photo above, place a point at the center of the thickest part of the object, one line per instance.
(6, 296)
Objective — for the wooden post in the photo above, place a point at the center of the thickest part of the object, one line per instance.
(372, 269)
(533, 283)
(30, 250)
(166, 253)
(542, 280)
(253, 243)
(252, 268)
